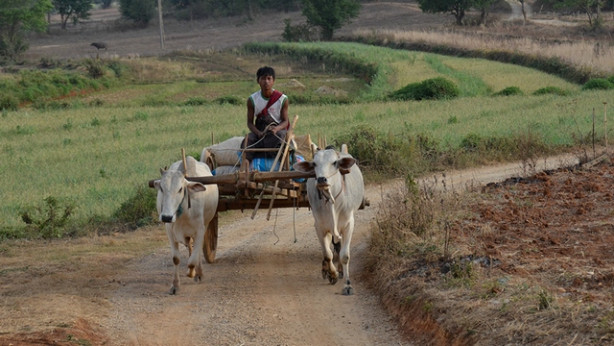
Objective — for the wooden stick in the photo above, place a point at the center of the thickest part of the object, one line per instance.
(185, 165)
(289, 136)
(262, 192)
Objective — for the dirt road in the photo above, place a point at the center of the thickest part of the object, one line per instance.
(265, 289)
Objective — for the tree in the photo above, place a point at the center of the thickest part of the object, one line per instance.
(72, 9)
(140, 11)
(592, 8)
(330, 15)
(18, 17)
(455, 7)
(483, 6)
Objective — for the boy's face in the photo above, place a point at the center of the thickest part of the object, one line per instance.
(266, 82)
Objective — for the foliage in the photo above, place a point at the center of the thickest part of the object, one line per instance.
(138, 210)
(139, 11)
(94, 67)
(551, 90)
(48, 220)
(430, 89)
(330, 15)
(509, 91)
(72, 9)
(458, 8)
(590, 7)
(598, 83)
(17, 18)
(298, 33)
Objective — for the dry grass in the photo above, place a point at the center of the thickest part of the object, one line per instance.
(595, 56)
(521, 263)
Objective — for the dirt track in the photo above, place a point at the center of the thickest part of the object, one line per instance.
(265, 289)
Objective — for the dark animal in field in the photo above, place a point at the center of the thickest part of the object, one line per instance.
(99, 45)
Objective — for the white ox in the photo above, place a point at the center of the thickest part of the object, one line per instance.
(334, 195)
(186, 208)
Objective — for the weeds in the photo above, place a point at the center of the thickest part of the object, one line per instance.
(49, 219)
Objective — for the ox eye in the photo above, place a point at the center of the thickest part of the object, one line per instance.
(180, 189)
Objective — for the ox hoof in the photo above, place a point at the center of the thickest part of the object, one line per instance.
(325, 274)
(347, 291)
(197, 278)
(173, 291)
(332, 279)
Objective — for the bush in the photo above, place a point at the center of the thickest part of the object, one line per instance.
(49, 219)
(9, 102)
(430, 89)
(232, 100)
(551, 90)
(139, 11)
(509, 91)
(298, 33)
(598, 84)
(94, 67)
(138, 210)
(196, 101)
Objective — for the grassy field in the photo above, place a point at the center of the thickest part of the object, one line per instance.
(98, 148)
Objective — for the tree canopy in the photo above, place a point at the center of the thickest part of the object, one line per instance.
(18, 17)
(330, 15)
(72, 9)
(455, 7)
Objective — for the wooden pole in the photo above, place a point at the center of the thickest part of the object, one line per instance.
(605, 125)
(289, 136)
(185, 164)
(161, 24)
(593, 132)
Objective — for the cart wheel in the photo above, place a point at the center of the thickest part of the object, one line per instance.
(211, 240)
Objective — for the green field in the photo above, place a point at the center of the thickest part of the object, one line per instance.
(96, 149)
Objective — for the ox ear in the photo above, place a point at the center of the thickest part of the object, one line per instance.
(196, 187)
(157, 184)
(346, 163)
(303, 166)
(163, 170)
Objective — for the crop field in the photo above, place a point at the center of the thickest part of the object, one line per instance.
(98, 148)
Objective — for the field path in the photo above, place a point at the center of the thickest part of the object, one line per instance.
(264, 289)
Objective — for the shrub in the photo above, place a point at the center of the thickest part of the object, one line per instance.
(232, 100)
(598, 84)
(551, 90)
(139, 11)
(196, 101)
(9, 102)
(94, 67)
(611, 79)
(298, 33)
(509, 91)
(138, 210)
(430, 89)
(47, 220)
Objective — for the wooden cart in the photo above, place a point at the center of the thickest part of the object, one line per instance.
(245, 189)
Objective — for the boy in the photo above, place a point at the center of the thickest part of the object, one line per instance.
(267, 115)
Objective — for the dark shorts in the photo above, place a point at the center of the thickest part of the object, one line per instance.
(269, 140)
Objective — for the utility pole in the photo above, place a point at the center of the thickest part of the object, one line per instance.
(161, 24)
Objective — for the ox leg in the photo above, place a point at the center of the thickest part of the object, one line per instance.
(328, 267)
(195, 260)
(189, 242)
(175, 257)
(344, 256)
